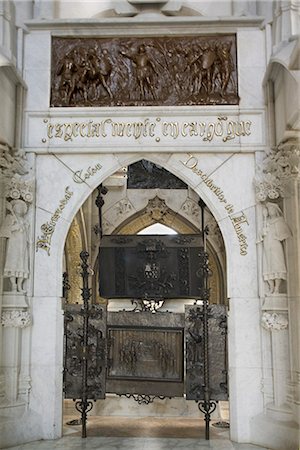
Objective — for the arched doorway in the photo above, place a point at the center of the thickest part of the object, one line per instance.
(157, 212)
(241, 270)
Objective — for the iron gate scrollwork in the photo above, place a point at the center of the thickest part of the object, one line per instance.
(85, 349)
(75, 350)
(195, 352)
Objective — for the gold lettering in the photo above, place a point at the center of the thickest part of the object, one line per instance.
(68, 132)
(247, 127)
(183, 129)
(50, 130)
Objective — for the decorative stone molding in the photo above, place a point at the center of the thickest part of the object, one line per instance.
(214, 233)
(12, 161)
(274, 321)
(135, 7)
(157, 209)
(123, 206)
(278, 168)
(18, 319)
(18, 188)
(191, 208)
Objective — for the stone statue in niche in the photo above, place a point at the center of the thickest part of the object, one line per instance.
(148, 71)
(275, 231)
(16, 229)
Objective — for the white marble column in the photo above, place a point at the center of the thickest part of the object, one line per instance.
(292, 207)
(47, 365)
(2, 259)
(14, 318)
(275, 320)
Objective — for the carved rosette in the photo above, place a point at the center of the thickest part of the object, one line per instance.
(19, 188)
(157, 209)
(274, 321)
(17, 319)
(280, 166)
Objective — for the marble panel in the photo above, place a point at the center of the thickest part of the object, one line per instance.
(185, 165)
(8, 108)
(37, 54)
(46, 364)
(251, 48)
(38, 98)
(89, 165)
(156, 130)
(246, 400)
(244, 326)
(251, 91)
(48, 267)
(235, 177)
(241, 255)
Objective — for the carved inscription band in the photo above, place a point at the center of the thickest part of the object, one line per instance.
(221, 129)
(190, 70)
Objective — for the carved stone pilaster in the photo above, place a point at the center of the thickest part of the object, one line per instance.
(280, 166)
(274, 321)
(17, 319)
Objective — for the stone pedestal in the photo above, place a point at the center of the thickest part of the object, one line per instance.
(275, 320)
(14, 317)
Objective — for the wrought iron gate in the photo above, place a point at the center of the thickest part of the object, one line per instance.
(141, 354)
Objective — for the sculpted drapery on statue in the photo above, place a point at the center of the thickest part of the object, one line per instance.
(275, 231)
(18, 190)
(187, 70)
(16, 230)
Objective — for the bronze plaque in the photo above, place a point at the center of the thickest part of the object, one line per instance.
(145, 353)
(148, 71)
(151, 267)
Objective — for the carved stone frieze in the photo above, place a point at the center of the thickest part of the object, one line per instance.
(278, 168)
(186, 70)
(18, 319)
(274, 321)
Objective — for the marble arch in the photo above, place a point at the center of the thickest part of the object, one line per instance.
(51, 159)
(241, 270)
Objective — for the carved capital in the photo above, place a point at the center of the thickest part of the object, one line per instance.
(18, 319)
(274, 321)
(280, 166)
(12, 161)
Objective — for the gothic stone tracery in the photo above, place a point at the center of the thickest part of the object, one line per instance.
(192, 70)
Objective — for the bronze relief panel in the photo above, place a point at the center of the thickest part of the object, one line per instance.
(174, 71)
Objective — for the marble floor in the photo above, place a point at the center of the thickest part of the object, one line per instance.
(146, 433)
